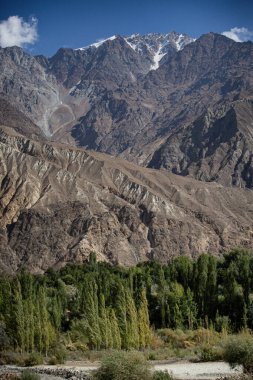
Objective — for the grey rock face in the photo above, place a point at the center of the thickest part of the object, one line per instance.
(215, 147)
(25, 85)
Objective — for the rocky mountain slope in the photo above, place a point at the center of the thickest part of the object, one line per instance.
(133, 96)
(215, 147)
(161, 101)
(57, 204)
(137, 97)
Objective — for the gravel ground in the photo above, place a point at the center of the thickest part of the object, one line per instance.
(205, 371)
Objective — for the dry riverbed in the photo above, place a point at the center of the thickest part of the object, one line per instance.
(206, 371)
(180, 370)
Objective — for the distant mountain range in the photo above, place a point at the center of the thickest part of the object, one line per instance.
(139, 97)
(160, 101)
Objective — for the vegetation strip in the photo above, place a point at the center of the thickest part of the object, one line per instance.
(96, 306)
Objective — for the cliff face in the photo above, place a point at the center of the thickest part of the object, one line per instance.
(58, 204)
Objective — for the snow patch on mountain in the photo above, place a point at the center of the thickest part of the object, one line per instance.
(181, 41)
(157, 58)
(132, 46)
(99, 43)
(157, 45)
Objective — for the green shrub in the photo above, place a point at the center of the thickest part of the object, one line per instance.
(58, 355)
(11, 357)
(210, 353)
(239, 351)
(189, 338)
(81, 346)
(52, 360)
(152, 356)
(176, 338)
(124, 366)
(28, 375)
(162, 375)
(33, 359)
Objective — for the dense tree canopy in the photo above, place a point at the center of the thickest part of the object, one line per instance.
(107, 306)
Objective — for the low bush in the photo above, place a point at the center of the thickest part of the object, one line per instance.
(33, 359)
(122, 365)
(188, 338)
(175, 338)
(9, 376)
(156, 341)
(210, 353)
(52, 360)
(152, 356)
(58, 355)
(162, 375)
(11, 357)
(238, 350)
(29, 375)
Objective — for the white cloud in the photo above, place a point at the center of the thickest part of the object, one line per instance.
(239, 34)
(16, 32)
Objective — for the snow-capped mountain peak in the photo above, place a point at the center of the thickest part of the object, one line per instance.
(157, 45)
(152, 46)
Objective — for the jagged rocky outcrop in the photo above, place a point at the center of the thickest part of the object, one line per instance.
(59, 204)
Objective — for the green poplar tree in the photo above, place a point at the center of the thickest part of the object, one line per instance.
(103, 323)
(44, 319)
(121, 313)
(115, 332)
(201, 284)
(132, 322)
(90, 302)
(19, 316)
(143, 321)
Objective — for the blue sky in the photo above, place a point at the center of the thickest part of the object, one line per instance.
(77, 23)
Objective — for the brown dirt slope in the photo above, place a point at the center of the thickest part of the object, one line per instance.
(57, 204)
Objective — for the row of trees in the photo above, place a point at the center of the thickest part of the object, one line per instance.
(112, 307)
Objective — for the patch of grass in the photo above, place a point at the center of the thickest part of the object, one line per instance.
(162, 375)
